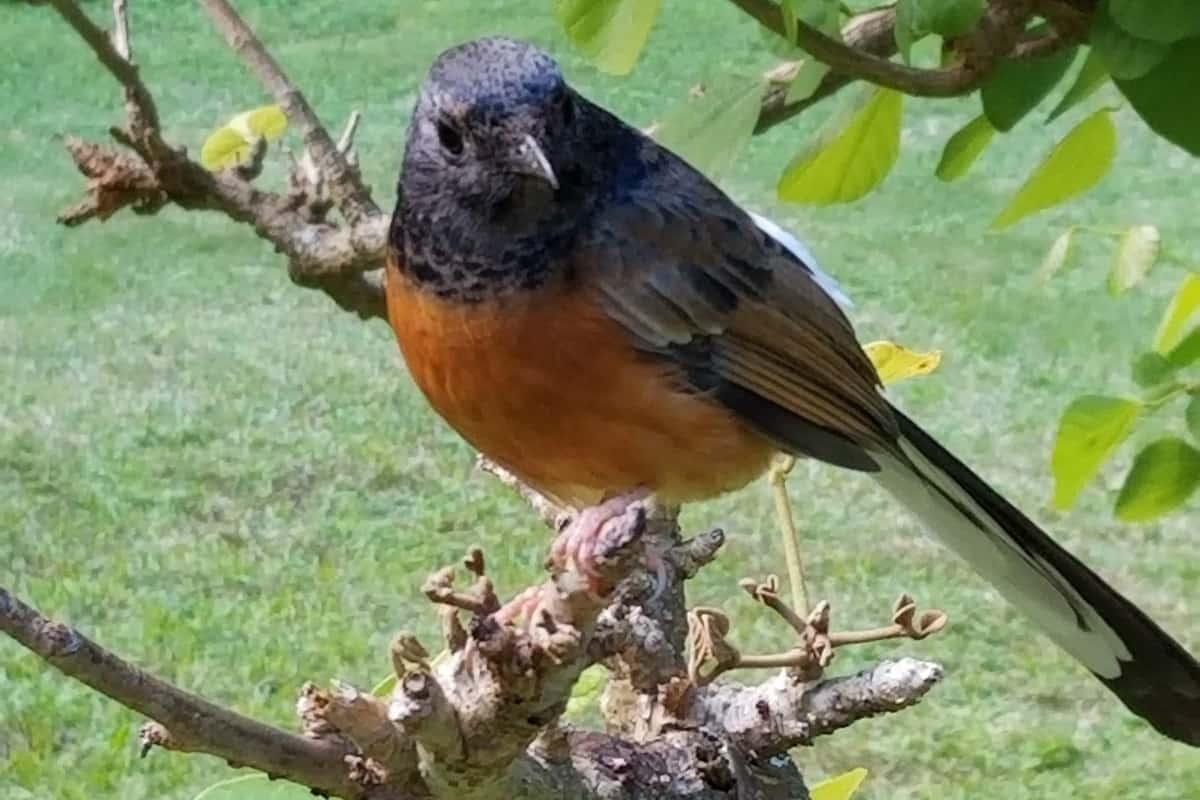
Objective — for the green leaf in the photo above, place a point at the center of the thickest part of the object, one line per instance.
(254, 787)
(1187, 352)
(1088, 433)
(1056, 256)
(788, 9)
(1137, 250)
(1125, 55)
(928, 53)
(1164, 475)
(1151, 369)
(848, 161)
(839, 787)
(585, 696)
(1075, 164)
(1157, 20)
(385, 686)
(824, 15)
(1165, 102)
(611, 33)
(916, 19)
(710, 128)
(1183, 306)
(1192, 417)
(1016, 87)
(963, 148)
(1091, 76)
(808, 78)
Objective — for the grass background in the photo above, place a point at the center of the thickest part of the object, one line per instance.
(223, 478)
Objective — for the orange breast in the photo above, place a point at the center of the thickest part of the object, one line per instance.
(550, 387)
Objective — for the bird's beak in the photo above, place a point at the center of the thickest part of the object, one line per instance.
(532, 161)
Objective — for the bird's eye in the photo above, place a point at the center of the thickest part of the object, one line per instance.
(450, 138)
(568, 110)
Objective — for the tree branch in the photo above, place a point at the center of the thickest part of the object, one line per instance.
(117, 63)
(191, 724)
(871, 32)
(862, 64)
(344, 262)
(351, 194)
(868, 43)
(785, 712)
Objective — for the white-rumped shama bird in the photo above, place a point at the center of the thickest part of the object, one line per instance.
(593, 314)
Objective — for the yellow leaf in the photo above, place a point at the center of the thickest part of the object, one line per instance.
(848, 162)
(1179, 313)
(224, 148)
(232, 143)
(840, 787)
(1074, 165)
(268, 122)
(895, 363)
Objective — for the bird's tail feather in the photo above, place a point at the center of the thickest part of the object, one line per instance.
(1147, 669)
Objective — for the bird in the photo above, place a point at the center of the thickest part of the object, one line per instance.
(596, 316)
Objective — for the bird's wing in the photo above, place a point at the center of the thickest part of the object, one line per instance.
(693, 279)
(800, 250)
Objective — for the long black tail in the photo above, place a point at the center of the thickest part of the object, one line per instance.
(1152, 674)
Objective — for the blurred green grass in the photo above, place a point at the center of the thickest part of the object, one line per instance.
(223, 478)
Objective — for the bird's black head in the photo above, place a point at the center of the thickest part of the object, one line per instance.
(503, 163)
(491, 122)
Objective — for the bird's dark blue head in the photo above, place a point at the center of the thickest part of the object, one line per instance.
(504, 162)
(491, 119)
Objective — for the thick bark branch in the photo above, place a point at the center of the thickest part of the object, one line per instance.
(786, 712)
(192, 723)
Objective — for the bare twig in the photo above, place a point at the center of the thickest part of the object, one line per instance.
(710, 655)
(120, 35)
(187, 722)
(777, 480)
(121, 68)
(550, 512)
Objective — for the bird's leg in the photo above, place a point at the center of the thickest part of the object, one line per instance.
(575, 544)
(777, 477)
